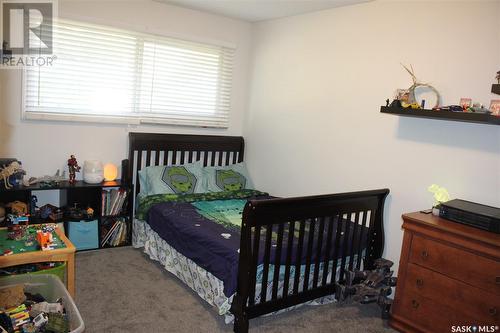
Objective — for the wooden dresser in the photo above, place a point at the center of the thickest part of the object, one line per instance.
(449, 275)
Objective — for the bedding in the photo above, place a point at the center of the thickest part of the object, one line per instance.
(204, 283)
(206, 229)
(174, 179)
(227, 178)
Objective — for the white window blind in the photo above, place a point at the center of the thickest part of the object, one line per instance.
(123, 76)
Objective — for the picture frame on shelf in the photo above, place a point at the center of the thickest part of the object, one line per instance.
(495, 107)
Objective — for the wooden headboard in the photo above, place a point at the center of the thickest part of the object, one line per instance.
(147, 149)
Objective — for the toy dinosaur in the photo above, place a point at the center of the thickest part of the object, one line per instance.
(10, 170)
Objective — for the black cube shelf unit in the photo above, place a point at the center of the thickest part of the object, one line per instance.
(469, 117)
(495, 88)
(86, 195)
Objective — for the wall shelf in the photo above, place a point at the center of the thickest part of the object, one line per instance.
(495, 88)
(467, 117)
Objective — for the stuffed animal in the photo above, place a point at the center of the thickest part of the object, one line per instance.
(18, 207)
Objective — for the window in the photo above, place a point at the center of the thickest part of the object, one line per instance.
(113, 75)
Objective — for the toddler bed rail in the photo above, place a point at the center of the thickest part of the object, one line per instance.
(311, 235)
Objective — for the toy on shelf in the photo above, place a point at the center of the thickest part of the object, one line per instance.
(369, 286)
(14, 219)
(73, 169)
(18, 207)
(48, 181)
(11, 174)
(51, 212)
(90, 212)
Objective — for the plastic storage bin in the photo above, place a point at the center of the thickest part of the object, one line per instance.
(50, 287)
(84, 235)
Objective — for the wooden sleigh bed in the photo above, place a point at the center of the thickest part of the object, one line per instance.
(341, 230)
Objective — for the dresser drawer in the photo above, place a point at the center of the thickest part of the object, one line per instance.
(475, 304)
(462, 265)
(426, 314)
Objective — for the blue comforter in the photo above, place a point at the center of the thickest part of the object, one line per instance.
(206, 229)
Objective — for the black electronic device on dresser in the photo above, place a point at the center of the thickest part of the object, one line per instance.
(472, 214)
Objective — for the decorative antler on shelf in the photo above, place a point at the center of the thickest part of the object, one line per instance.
(412, 99)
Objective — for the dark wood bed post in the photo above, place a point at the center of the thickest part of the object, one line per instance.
(238, 306)
(377, 241)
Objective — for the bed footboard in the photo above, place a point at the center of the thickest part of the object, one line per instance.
(295, 250)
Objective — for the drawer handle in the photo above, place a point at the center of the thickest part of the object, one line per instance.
(414, 304)
(420, 282)
(425, 254)
(493, 311)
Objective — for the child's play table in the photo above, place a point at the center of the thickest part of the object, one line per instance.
(23, 254)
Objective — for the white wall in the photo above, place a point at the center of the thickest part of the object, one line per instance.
(318, 81)
(45, 146)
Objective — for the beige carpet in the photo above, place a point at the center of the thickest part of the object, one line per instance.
(121, 290)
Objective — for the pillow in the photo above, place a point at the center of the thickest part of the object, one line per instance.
(143, 183)
(175, 179)
(227, 178)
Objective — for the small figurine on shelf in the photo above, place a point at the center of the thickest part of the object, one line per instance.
(7, 172)
(498, 77)
(73, 169)
(33, 202)
(89, 212)
(17, 207)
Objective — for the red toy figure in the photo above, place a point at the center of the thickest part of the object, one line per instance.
(44, 239)
(73, 169)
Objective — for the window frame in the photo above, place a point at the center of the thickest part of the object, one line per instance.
(139, 118)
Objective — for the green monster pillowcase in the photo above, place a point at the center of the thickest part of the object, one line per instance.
(176, 179)
(227, 178)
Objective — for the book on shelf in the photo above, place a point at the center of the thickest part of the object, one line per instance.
(117, 234)
(114, 201)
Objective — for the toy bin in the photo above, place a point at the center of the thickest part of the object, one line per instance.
(84, 234)
(50, 287)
